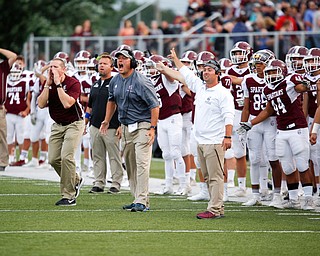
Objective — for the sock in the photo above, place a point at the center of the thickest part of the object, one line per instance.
(242, 183)
(293, 194)
(86, 162)
(23, 155)
(263, 180)
(307, 190)
(187, 174)
(193, 173)
(231, 173)
(284, 186)
(225, 188)
(43, 155)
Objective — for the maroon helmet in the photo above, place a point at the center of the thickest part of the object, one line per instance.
(311, 62)
(275, 72)
(245, 51)
(295, 56)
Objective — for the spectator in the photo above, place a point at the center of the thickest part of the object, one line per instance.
(5, 66)
(240, 27)
(60, 94)
(220, 43)
(142, 30)
(308, 21)
(316, 28)
(154, 30)
(75, 45)
(166, 30)
(87, 32)
(127, 30)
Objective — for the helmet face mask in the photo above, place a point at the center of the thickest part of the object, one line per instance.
(81, 61)
(240, 53)
(295, 56)
(15, 72)
(275, 72)
(311, 62)
(91, 66)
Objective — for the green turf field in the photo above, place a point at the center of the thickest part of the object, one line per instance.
(32, 225)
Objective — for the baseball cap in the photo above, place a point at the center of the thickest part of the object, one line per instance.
(125, 53)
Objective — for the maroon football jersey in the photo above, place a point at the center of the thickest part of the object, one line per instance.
(236, 89)
(226, 81)
(253, 89)
(312, 94)
(17, 95)
(4, 72)
(58, 113)
(170, 102)
(187, 102)
(286, 103)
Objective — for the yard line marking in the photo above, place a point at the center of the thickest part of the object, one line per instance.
(28, 194)
(155, 231)
(157, 210)
(313, 218)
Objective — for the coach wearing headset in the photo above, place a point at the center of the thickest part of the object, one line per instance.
(214, 114)
(135, 98)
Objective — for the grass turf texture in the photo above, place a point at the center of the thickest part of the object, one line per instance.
(32, 225)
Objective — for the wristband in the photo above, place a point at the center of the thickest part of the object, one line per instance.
(227, 137)
(47, 86)
(153, 127)
(59, 85)
(87, 115)
(315, 128)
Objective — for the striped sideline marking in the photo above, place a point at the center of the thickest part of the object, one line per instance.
(156, 231)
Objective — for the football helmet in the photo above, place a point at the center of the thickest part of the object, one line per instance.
(140, 59)
(188, 58)
(245, 51)
(62, 55)
(311, 61)
(123, 47)
(225, 63)
(263, 56)
(15, 72)
(295, 56)
(275, 72)
(81, 60)
(204, 56)
(92, 66)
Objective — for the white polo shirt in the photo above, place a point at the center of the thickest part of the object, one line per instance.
(214, 109)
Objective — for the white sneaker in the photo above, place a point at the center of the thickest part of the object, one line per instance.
(175, 181)
(231, 184)
(309, 204)
(265, 195)
(90, 174)
(165, 191)
(183, 191)
(202, 196)
(32, 163)
(292, 204)
(240, 192)
(125, 182)
(253, 202)
(193, 182)
(276, 201)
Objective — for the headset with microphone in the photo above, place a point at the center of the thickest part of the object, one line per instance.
(133, 62)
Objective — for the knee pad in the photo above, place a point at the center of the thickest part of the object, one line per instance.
(176, 153)
(255, 157)
(238, 149)
(302, 164)
(166, 155)
(288, 167)
(229, 154)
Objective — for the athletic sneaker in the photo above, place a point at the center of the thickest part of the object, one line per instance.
(207, 215)
(66, 202)
(309, 204)
(18, 163)
(139, 208)
(32, 163)
(201, 196)
(292, 204)
(265, 195)
(128, 207)
(240, 192)
(78, 187)
(165, 191)
(183, 191)
(113, 190)
(276, 201)
(96, 190)
(253, 202)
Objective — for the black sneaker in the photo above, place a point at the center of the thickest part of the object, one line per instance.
(139, 208)
(113, 190)
(78, 187)
(96, 190)
(128, 207)
(66, 202)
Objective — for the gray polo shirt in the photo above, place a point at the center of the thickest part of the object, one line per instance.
(135, 96)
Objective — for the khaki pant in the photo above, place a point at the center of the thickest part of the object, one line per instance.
(4, 156)
(211, 161)
(101, 144)
(62, 146)
(137, 154)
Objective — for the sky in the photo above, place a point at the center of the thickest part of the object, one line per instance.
(178, 6)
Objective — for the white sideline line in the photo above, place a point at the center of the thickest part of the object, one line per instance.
(158, 210)
(28, 194)
(155, 231)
